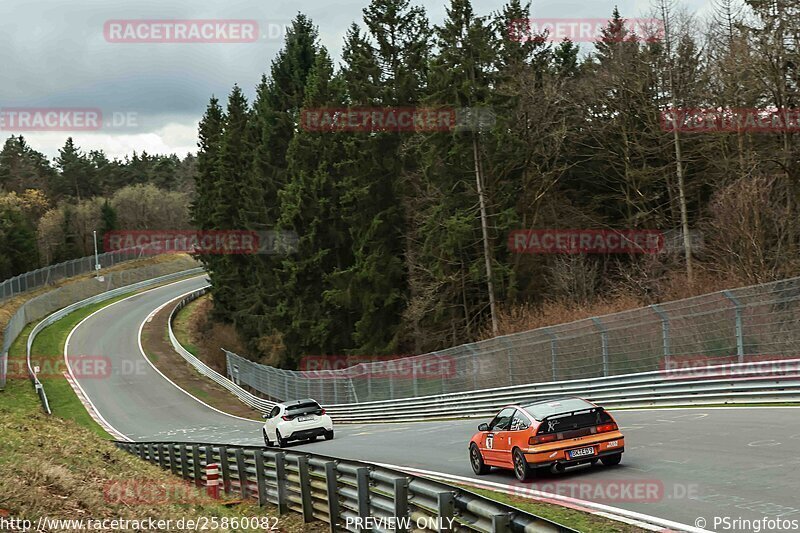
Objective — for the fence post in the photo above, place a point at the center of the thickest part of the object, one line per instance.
(305, 488)
(362, 484)
(352, 389)
(226, 469)
(173, 463)
(198, 469)
(509, 358)
(664, 332)
(553, 352)
(369, 382)
(261, 478)
(142, 451)
(739, 327)
(333, 494)
(209, 454)
(153, 455)
(414, 383)
(446, 505)
(184, 462)
(501, 523)
(280, 473)
(241, 470)
(474, 355)
(603, 342)
(400, 500)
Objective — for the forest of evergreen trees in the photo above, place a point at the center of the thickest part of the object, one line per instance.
(49, 210)
(391, 253)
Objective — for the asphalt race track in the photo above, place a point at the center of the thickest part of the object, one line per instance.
(738, 462)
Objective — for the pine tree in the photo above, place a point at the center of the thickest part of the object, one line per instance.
(108, 222)
(310, 207)
(229, 210)
(279, 99)
(22, 167)
(450, 279)
(76, 177)
(201, 209)
(391, 72)
(18, 251)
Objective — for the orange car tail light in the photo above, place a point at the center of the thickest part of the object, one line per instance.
(606, 427)
(541, 439)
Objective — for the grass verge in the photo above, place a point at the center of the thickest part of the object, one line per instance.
(183, 320)
(58, 466)
(48, 353)
(159, 350)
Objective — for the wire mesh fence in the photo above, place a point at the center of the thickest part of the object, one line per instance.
(50, 274)
(44, 304)
(761, 322)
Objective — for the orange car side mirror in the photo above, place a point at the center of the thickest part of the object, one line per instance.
(483, 427)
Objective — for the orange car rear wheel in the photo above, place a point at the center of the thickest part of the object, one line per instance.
(522, 469)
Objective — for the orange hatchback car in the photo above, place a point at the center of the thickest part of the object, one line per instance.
(552, 433)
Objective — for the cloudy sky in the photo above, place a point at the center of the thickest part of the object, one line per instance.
(151, 95)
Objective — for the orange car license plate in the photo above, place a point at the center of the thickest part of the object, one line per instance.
(581, 452)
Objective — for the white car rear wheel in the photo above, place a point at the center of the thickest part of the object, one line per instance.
(282, 443)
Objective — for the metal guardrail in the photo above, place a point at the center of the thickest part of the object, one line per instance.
(739, 324)
(246, 397)
(338, 492)
(758, 382)
(58, 315)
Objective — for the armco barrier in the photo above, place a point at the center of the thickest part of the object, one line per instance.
(248, 399)
(54, 317)
(339, 492)
(741, 383)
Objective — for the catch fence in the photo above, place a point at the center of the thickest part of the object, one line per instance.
(749, 324)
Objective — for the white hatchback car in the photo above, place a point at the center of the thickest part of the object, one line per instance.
(296, 420)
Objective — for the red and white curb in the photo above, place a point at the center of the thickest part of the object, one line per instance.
(647, 522)
(91, 410)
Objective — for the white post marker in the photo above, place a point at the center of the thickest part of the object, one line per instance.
(96, 258)
(212, 480)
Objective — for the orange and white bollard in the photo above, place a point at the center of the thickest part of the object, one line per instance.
(212, 480)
